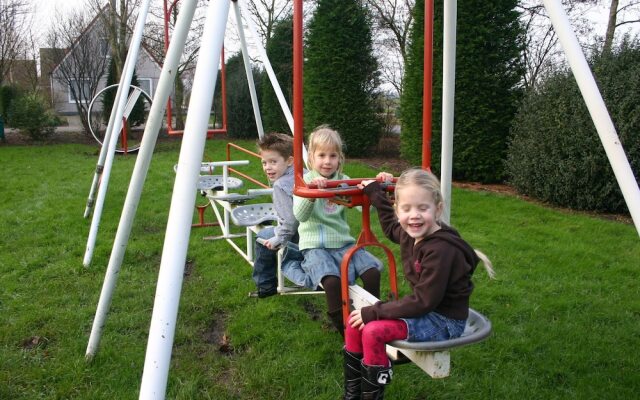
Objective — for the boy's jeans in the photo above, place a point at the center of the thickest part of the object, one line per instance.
(265, 264)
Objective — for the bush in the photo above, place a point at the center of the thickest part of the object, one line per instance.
(555, 153)
(7, 95)
(30, 114)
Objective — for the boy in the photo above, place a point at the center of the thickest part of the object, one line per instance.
(276, 152)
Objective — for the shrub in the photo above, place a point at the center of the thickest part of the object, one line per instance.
(30, 114)
(555, 154)
(7, 95)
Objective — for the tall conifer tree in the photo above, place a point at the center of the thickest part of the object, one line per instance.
(340, 74)
(487, 92)
(280, 53)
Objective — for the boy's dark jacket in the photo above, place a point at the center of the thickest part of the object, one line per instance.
(438, 269)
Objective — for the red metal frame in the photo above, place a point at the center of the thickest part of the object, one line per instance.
(124, 135)
(223, 82)
(427, 84)
(351, 195)
(242, 174)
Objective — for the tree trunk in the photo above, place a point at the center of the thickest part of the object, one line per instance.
(611, 27)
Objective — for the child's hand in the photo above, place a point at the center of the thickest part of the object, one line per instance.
(319, 181)
(269, 245)
(355, 319)
(364, 183)
(384, 177)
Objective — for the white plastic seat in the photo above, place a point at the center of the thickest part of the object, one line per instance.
(253, 214)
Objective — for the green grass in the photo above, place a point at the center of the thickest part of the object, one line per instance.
(565, 307)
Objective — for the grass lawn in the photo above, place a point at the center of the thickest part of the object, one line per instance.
(565, 307)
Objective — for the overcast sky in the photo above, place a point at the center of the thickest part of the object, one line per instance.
(45, 10)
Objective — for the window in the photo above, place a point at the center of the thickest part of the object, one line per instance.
(104, 47)
(147, 85)
(80, 88)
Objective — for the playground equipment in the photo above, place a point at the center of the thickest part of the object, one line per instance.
(128, 142)
(163, 322)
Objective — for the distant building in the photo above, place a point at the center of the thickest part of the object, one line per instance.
(54, 63)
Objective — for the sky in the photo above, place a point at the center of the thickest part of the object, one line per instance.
(45, 11)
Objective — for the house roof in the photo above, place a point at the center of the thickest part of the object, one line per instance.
(88, 28)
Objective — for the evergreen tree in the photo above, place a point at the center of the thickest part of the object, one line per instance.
(241, 122)
(340, 74)
(280, 53)
(487, 91)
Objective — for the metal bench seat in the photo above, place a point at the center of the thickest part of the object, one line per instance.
(253, 214)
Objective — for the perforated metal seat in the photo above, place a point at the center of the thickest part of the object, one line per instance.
(478, 328)
(253, 214)
(216, 182)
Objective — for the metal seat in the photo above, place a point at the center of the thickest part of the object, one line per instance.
(253, 214)
(216, 182)
(478, 328)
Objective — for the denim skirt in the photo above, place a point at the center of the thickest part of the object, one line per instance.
(433, 327)
(319, 263)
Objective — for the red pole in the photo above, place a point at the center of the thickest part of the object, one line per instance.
(167, 15)
(223, 84)
(427, 98)
(298, 125)
(124, 134)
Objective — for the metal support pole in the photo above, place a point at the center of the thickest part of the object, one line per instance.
(598, 110)
(247, 67)
(174, 255)
(123, 90)
(149, 138)
(448, 97)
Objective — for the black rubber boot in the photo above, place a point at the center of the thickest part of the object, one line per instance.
(336, 319)
(352, 375)
(374, 379)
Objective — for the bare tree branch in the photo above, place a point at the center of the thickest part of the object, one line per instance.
(14, 32)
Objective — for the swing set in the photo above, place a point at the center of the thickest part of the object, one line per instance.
(432, 357)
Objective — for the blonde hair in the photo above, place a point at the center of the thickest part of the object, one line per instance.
(429, 182)
(423, 179)
(324, 137)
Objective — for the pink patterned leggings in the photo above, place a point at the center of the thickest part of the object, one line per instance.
(372, 339)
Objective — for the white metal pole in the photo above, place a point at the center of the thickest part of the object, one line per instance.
(174, 255)
(125, 83)
(247, 67)
(152, 128)
(262, 55)
(448, 96)
(598, 110)
(108, 134)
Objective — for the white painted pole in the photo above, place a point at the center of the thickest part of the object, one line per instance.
(598, 110)
(149, 138)
(125, 83)
(262, 55)
(247, 67)
(174, 255)
(108, 134)
(448, 97)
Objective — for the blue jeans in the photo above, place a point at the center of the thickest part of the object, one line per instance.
(265, 273)
(292, 266)
(319, 263)
(433, 327)
(265, 264)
